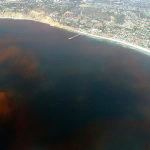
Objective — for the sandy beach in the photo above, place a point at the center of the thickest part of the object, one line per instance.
(135, 47)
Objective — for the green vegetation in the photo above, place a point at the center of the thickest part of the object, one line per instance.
(120, 19)
(144, 15)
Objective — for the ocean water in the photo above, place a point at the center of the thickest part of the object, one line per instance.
(79, 94)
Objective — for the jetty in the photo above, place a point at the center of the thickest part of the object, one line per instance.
(73, 36)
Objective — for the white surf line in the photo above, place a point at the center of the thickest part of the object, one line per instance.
(88, 34)
(115, 40)
(13, 18)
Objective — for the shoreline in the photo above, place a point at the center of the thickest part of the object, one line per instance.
(136, 47)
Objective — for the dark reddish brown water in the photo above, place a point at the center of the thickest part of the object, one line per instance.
(79, 94)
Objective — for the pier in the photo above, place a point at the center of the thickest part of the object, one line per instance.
(73, 36)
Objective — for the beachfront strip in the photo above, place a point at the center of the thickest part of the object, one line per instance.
(136, 47)
(119, 22)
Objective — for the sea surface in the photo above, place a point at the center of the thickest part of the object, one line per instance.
(79, 94)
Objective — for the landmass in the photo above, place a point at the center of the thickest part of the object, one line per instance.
(115, 20)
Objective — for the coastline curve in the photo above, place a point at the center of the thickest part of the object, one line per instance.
(48, 20)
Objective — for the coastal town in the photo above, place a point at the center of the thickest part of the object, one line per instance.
(122, 20)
